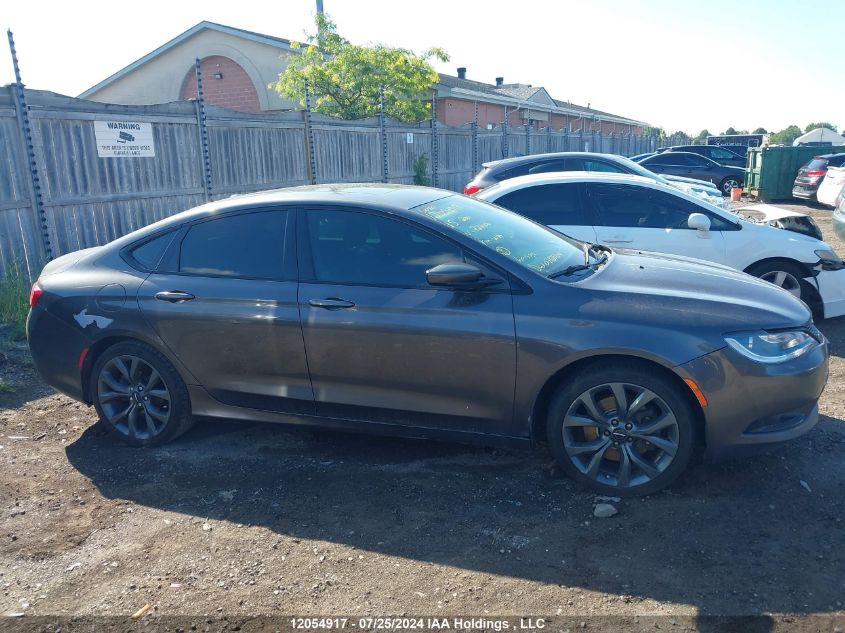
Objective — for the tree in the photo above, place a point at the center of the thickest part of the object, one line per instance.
(813, 126)
(786, 135)
(730, 130)
(701, 139)
(760, 130)
(344, 78)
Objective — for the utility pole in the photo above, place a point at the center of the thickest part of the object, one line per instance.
(320, 7)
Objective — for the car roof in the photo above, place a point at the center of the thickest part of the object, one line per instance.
(391, 197)
(571, 176)
(520, 182)
(690, 154)
(521, 160)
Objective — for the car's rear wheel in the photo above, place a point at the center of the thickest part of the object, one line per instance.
(621, 428)
(729, 183)
(139, 396)
(785, 275)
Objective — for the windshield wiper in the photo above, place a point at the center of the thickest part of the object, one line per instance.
(574, 269)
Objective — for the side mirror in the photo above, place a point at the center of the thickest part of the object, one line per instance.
(453, 275)
(698, 221)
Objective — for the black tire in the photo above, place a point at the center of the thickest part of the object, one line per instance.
(793, 281)
(167, 400)
(729, 183)
(632, 373)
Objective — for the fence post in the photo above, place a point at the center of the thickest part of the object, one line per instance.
(475, 165)
(505, 134)
(435, 154)
(383, 129)
(549, 135)
(36, 198)
(528, 132)
(309, 138)
(203, 131)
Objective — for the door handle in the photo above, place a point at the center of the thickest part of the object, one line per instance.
(619, 241)
(174, 296)
(331, 303)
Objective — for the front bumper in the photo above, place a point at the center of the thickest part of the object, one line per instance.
(750, 405)
(831, 285)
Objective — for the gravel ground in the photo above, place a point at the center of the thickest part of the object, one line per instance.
(241, 519)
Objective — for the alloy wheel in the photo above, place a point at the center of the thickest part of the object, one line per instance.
(133, 397)
(620, 434)
(730, 184)
(785, 280)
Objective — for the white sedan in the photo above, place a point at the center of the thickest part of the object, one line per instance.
(832, 185)
(626, 211)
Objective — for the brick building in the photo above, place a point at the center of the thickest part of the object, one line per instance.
(457, 97)
(238, 65)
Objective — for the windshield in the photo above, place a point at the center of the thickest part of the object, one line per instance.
(514, 236)
(639, 170)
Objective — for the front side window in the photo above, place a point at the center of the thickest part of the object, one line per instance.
(511, 235)
(250, 245)
(555, 204)
(640, 207)
(353, 247)
(666, 158)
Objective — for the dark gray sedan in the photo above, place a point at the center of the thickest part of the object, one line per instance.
(417, 312)
(690, 165)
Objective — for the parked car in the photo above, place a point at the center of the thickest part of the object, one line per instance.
(839, 216)
(811, 175)
(831, 186)
(638, 157)
(417, 312)
(692, 165)
(716, 153)
(500, 170)
(633, 212)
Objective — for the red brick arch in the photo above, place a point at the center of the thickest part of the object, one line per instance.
(234, 91)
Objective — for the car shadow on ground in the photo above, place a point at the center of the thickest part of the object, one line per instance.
(752, 537)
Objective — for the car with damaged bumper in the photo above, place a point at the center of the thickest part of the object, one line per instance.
(627, 211)
(417, 312)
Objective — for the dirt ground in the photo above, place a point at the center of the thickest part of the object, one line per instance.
(242, 519)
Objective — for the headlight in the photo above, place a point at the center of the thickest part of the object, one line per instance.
(829, 259)
(772, 347)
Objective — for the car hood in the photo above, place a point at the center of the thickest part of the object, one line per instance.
(691, 181)
(781, 219)
(668, 291)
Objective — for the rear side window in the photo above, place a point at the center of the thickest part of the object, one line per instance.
(836, 161)
(666, 158)
(249, 245)
(556, 204)
(148, 254)
(548, 167)
(718, 153)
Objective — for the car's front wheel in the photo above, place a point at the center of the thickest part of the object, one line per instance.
(785, 275)
(621, 428)
(139, 396)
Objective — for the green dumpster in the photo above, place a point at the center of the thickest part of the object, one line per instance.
(770, 171)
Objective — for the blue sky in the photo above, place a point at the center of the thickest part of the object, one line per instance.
(679, 64)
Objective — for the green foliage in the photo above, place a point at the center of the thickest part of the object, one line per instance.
(813, 126)
(701, 139)
(344, 78)
(786, 135)
(7, 387)
(14, 299)
(760, 130)
(421, 170)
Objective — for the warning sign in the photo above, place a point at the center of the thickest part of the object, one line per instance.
(122, 139)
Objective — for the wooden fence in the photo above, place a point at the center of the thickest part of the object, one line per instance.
(88, 200)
